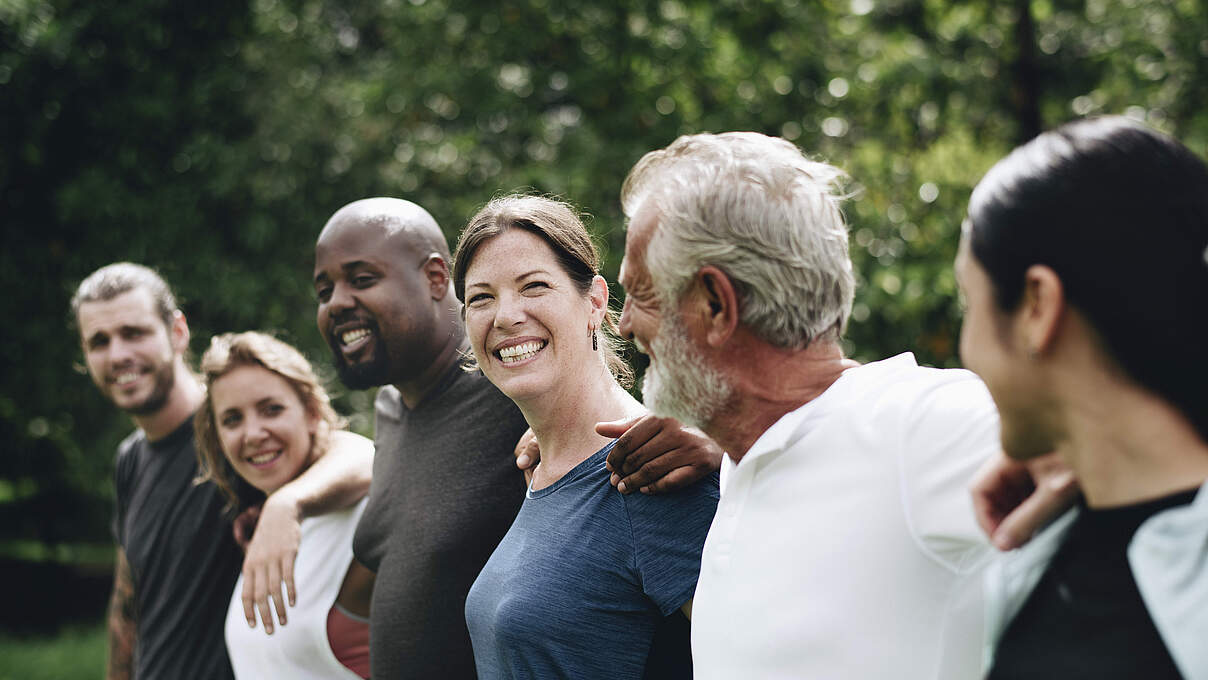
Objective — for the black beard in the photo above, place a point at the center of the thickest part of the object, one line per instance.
(364, 374)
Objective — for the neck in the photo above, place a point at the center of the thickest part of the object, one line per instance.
(416, 388)
(1127, 446)
(770, 382)
(564, 421)
(183, 401)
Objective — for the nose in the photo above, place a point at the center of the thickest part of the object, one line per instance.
(510, 311)
(254, 431)
(625, 325)
(119, 351)
(341, 301)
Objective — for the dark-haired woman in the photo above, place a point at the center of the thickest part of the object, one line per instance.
(1084, 264)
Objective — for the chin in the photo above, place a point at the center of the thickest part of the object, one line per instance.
(668, 402)
(363, 374)
(1025, 443)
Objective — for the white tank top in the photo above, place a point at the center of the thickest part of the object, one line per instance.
(299, 650)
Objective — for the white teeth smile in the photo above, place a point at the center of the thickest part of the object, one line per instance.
(510, 355)
(125, 378)
(349, 337)
(262, 458)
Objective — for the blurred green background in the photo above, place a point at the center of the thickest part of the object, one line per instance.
(213, 143)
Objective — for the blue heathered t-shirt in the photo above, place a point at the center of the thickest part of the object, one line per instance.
(585, 575)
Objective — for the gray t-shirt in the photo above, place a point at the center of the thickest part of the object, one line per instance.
(586, 576)
(445, 490)
(182, 556)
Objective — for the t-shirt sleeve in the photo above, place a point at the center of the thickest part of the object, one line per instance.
(123, 467)
(668, 536)
(951, 430)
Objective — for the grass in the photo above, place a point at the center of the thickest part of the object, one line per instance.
(75, 653)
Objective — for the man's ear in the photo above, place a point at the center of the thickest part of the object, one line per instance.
(436, 271)
(1042, 308)
(179, 332)
(718, 304)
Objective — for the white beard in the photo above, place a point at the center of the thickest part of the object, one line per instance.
(678, 384)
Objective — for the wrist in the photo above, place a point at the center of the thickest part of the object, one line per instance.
(284, 501)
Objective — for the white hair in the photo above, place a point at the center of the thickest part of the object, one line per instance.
(755, 207)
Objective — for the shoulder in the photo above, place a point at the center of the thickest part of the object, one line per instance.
(902, 387)
(903, 375)
(131, 444)
(693, 505)
(126, 460)
(473, 399)
(473, 386)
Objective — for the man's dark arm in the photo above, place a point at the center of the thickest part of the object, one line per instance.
(122, 628)
(652, 454)
(657, 455)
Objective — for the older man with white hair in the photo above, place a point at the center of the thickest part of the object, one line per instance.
(844, 545)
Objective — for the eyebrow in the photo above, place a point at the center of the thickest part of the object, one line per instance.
(259, 403)
(521, 277)
(345, 267)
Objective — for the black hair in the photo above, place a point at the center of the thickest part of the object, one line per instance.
(1120, 213)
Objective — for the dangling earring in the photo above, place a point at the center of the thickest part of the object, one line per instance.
(595, 346)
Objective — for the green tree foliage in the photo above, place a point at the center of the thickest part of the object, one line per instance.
(213, 143)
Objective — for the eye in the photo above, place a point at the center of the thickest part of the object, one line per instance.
(323, 293)
(364, 280)
(272, 409)
(535, 286)
(133, 333)
(230, 419)
(475, 300)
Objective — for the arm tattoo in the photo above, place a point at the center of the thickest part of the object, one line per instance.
(122, 614)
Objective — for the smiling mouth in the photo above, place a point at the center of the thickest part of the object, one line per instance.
(126, 377)
(263, 459)
(353, 340)
(517, 353)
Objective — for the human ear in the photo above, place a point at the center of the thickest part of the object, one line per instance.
(719, 304)
(179, 333)
(598, 296)
(436, 271)
(1042, 308)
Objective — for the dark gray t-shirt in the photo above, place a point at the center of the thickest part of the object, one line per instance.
(585, 577)
(445, 490)
(182, 555)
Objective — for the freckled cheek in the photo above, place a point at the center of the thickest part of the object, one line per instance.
(478, 326)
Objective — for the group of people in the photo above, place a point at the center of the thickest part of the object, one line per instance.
(772, 510)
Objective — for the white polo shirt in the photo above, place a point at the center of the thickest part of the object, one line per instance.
(845, 545)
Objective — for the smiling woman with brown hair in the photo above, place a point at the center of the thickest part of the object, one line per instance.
(264, 421)
(583, 565)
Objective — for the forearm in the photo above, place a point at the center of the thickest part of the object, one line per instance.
(338, 479)
(121, 619)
